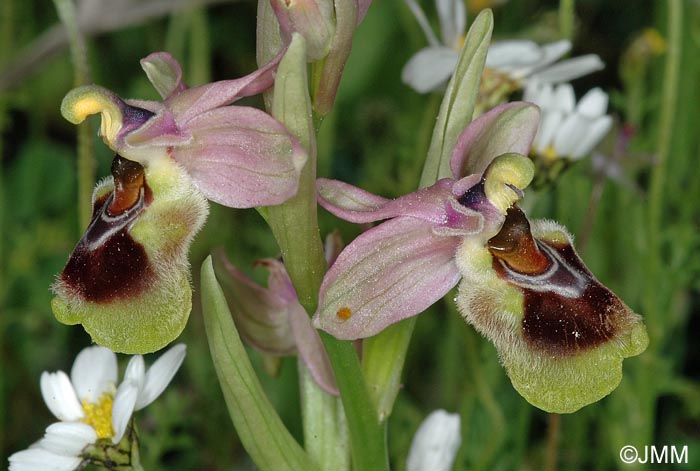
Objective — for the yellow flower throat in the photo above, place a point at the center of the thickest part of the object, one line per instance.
(99, 415)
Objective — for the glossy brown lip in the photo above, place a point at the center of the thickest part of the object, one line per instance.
(107, 263)
(565, 309)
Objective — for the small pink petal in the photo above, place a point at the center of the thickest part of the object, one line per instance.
(193, 102)
(164, 72)
(356, 205)
(507, 128)
(389, 273)
(242, 158)
(311, 349)
(260, 314)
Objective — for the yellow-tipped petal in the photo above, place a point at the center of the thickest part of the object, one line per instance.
(506, 176)
(84, 101)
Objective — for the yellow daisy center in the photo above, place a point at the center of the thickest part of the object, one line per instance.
(99, 415)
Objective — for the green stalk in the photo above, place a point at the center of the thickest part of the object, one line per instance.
(262, 433)
(295, 226)
(86, 163)
(325, 429)
(669, 101)
(384, 354)
(567, 15)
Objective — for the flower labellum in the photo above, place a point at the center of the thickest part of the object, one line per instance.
(560, 333)
(127, 280)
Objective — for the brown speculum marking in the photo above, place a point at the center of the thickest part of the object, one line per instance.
(565, 309)
(107, 263)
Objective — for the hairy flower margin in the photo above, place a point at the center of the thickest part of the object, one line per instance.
(561, 335)
(509, 63)
(91, 408)
(127, 281)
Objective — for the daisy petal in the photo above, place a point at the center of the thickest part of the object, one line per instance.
(160, 374)
(452, 16)
(569, 69)
(596, 132)
(389, 273)
(38, 459)
(429, 68)
(436, 442)
(94, 372)
(60, 397)
(123, 408)
(135, 371)
(593, 104)
(68, 438)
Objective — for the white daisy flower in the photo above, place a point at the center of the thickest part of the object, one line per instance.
(511, 62)
(90, 407)
(436, 442)
(568, 130)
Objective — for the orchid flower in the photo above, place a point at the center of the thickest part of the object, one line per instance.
(272, 320)
(561, 335)
(509, 63)
(92, 410)
(127, 280)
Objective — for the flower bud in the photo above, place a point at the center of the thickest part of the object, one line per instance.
(313, 19)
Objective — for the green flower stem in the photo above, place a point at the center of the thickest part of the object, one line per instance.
(86, 163)
(260, 429)
(295, 226)
(383, 358)
(367, 433)
(325, 429)
(385, 353)
(567, 16)
(460, 97)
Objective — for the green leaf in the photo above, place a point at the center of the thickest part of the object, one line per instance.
(259, 427)
(457, 106)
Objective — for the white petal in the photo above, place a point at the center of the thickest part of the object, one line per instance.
(123, 407)
(435, 444)
(595, 134)
(570, 133)
(549, 124)
(68, 438)
(135, 371)
(160, 374)
(453, 17)
(593, 104)
(94, 372)
(60, 397)
(429, 68)
(423, 22)
(569, 69)
(38, 459)
(564, 98)
(551, 52)
(510, 55)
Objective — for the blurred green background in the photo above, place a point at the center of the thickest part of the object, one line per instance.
(637, 224)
